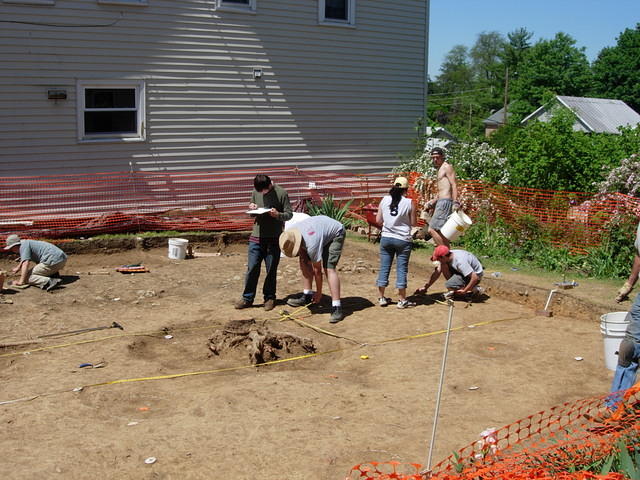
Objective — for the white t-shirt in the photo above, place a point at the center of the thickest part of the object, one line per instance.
(396, 224)
(637, 242)
(466, 263)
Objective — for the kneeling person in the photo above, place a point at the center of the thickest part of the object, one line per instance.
(462, 270)
(318, 242)
(48, 258)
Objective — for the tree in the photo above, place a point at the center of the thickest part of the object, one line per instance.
(486, 56)
(617, 69)
(456, 72)
(515, 49)
(552, 155)
(550, 67)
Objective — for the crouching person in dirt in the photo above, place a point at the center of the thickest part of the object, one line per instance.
(48, 260)
(318, 242)
(462, 270)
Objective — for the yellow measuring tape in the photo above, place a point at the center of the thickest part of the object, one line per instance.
(230, 369)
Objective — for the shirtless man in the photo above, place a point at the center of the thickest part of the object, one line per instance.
(447, 200)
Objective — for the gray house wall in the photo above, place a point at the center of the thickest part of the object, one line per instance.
(331, 97)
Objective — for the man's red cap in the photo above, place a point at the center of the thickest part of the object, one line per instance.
(439, 252)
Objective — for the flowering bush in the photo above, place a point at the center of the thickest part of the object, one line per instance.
(472, 161)
(623, 179)
(479, 161)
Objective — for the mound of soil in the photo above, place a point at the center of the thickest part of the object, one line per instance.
(262, 344)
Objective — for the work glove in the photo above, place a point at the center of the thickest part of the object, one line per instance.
(624, 291)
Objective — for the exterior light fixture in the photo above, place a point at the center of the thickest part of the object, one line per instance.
(257, 73)
(57, 94)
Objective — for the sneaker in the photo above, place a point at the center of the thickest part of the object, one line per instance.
(406, 304)
(383, 301)
(52, 283)
(269, 304)
(336, 315)
(301, 301)
(242, 303)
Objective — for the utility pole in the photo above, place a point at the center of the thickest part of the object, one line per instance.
(506, 94)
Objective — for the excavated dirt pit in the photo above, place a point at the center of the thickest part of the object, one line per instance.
(361, 390)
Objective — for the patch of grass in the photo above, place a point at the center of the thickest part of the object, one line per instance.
(166, 233)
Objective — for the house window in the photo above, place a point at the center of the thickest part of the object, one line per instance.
(237, 5)
(337, 12)
(110, 111)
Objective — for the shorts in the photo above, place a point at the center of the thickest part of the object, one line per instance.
(331, 252)
(457, 281)
(441, 213)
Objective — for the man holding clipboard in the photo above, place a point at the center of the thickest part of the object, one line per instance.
(271, 207)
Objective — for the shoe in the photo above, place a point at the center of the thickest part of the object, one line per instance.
(336, 315)
(242, 303)
(301, 301)
(383, 301)
(269, 304)
(477, 292)
(52, 283)
(406, 304)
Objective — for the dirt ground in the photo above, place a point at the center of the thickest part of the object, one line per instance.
(309, 418)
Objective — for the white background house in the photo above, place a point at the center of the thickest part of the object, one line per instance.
(114, 85)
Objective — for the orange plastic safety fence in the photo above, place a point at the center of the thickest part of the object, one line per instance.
(58, 206)
(574, 220)
(86, 204)
(560, 443)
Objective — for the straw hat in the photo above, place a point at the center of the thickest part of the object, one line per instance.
(290, 241)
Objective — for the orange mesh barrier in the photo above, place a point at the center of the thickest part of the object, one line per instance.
(561, 443)
(80, 205)
(574, 220)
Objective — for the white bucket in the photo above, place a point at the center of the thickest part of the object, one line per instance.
(178, 248)
(613, 326)
(457, 223)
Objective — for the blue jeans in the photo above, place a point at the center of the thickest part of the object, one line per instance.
(388, 248)
(625, 376)
(269, 251)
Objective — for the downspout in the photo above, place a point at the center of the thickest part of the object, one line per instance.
(425, 88)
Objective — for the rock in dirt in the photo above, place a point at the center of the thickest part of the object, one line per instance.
(262, 344)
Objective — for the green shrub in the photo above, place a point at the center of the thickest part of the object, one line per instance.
(330, 208)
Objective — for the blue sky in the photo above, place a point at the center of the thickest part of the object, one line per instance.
(594, 24)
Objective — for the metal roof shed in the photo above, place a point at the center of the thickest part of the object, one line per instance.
(593, 115)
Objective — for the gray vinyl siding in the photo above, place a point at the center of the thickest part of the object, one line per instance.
(331, 97)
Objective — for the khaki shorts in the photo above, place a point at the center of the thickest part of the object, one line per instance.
(331, 252)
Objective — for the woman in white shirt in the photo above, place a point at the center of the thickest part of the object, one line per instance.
(396, 215)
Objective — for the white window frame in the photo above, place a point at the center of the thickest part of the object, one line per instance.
(140, 3)
(250, 7)
(140, 104)
(336, 22)
(31, 2)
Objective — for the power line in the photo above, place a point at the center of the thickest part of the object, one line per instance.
(459, 92)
